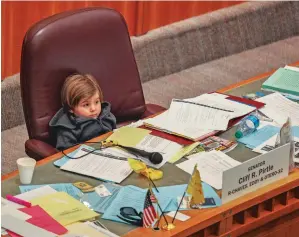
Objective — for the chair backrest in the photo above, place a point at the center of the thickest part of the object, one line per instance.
(90, 40)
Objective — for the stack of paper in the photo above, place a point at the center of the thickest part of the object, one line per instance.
(280, 108)
(284, 80)
(198, 117)
(64, 208)
(98, 166)
(210, 165)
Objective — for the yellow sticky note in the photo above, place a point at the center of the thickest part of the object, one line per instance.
(64, 208)
(128, 136)
(182, 152)
(83, 229)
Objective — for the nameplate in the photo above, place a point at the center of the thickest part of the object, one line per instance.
(255, 173)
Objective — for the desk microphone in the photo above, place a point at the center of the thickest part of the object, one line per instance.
(154, 157)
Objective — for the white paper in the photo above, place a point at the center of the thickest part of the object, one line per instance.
(166, 147)
(292, 68)
(11, 208)
(100, 229)
(210, 165)
(102, 191)
(202, 121)
(23, 228)
(5, 202)
(158, 123)
(219, 101)
(269, 145)
(180, 216)
(99, 166)
(183, 117)
(280, 108)
(39, 192)
(150, 143)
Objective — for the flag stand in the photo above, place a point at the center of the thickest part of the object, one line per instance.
(178, 207)
(168, 226)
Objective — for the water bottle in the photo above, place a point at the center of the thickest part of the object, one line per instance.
(247, 126)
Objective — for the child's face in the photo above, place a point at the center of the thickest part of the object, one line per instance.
(89, 107)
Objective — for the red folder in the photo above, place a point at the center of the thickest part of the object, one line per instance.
(232, 122)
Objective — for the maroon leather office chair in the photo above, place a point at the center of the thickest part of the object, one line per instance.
(90, 40)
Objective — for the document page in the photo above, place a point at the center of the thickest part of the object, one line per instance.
(219, 101)
(280, 108)
(99, 166)
(159, 122)
(191, 116)
(166, 147)
(210, 165)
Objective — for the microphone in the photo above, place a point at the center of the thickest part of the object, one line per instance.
(154, 157)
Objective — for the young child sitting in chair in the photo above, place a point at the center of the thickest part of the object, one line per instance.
(84, 114)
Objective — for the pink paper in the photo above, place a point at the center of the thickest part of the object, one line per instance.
(12, 234)
(41, 219)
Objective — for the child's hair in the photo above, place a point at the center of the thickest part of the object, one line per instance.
(77, 87)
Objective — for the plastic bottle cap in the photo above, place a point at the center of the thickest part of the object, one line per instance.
(238, 134)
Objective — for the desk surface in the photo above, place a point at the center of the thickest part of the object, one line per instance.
(47, 173)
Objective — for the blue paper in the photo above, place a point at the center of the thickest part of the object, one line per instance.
(175, 191)
(258, 137)
(100, 204)
(61, 187)
(295, 131)
(65, 159)
(130, 196)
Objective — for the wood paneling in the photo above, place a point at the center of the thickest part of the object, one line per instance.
(18, 16)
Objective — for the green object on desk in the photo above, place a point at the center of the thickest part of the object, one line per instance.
(284, 80)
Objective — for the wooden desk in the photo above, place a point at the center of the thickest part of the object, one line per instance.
(271, 211)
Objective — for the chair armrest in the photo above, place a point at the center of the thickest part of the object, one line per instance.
(152, 109)
(38, 149)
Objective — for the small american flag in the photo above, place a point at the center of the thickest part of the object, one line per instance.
(153, 197)
(149, 213)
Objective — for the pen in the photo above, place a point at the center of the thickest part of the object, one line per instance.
(105, 154)
(194, 103)
(18, 200)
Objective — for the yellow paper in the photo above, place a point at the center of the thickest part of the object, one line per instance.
(64, 208)
(182, 152)
(81, 229)
(128, 136)
(195, 188)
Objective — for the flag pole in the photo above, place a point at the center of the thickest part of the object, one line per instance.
(167, 226)
(153, 183)
(158, 205)
(178, 206)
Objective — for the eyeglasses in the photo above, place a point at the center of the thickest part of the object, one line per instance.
(131, 216)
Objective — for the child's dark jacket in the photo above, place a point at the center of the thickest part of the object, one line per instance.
(67, 129)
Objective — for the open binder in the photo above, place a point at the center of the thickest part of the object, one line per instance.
(181, 139)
